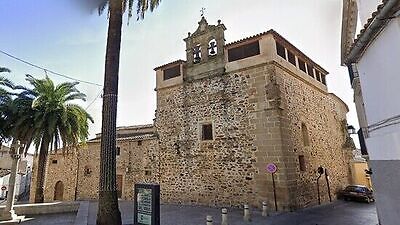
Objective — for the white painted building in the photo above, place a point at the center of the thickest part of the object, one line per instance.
(23, 178)
(373, 59)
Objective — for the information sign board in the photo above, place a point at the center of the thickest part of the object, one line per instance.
(147, 204)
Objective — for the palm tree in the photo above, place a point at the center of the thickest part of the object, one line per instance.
(5, 98)
(45, 116)
(108, 212)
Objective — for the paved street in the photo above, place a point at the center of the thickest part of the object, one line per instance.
(338, 213)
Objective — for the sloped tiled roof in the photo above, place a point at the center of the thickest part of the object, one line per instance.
(357, 40)
(179, 61)
(135, 127)
(369, 21)
(130, 136)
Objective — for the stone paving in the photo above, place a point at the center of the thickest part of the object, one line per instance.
(50, 219)
(337, 213)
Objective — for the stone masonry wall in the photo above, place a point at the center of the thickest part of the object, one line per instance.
(324, 117)
(256, 114)
(65, 166)
(132, 164)
(136, 164)
(229, 170)
(214, 172)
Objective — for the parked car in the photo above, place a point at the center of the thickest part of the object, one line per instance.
(357, 192)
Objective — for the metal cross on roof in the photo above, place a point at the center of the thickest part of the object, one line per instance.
(203, 10)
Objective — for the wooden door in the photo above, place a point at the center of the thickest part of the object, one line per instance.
(59, 191)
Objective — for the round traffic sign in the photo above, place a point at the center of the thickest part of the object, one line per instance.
(3, 188)
(272, 168)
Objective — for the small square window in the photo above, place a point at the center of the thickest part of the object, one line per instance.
(54, 161)
(302, 163)
(139, 143)
(207, 132)
(147, 173)
(118, 151)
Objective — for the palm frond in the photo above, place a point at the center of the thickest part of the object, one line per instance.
(4, 69)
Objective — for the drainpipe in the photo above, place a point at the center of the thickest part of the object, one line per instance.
(371, 31)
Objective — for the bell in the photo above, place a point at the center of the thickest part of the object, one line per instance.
(212, 52)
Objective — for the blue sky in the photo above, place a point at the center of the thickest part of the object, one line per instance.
(65, 38)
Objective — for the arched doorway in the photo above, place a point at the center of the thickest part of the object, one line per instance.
(59, 191)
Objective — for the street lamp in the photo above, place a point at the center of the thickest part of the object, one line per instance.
(351, 129)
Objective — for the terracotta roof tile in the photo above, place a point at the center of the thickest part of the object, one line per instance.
(132, 136)
(369, 21)
(179, 61)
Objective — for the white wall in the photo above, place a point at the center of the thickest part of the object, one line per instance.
(379, 71)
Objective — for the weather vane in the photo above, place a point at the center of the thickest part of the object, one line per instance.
(203, 10)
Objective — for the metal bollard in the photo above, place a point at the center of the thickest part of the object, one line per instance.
(264, 209)
(246, 216)
(209, 220)
(224, 217)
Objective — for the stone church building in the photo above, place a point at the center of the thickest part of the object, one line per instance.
(222, 116)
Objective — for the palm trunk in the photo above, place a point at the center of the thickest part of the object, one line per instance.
(41, 172)
(108, 212)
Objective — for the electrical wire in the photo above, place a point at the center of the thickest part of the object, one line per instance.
(48, 70)
(91, 103)
(384, 123)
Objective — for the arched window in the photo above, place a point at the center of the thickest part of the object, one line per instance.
(197, 54)
(306, 138)
(212, 47)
